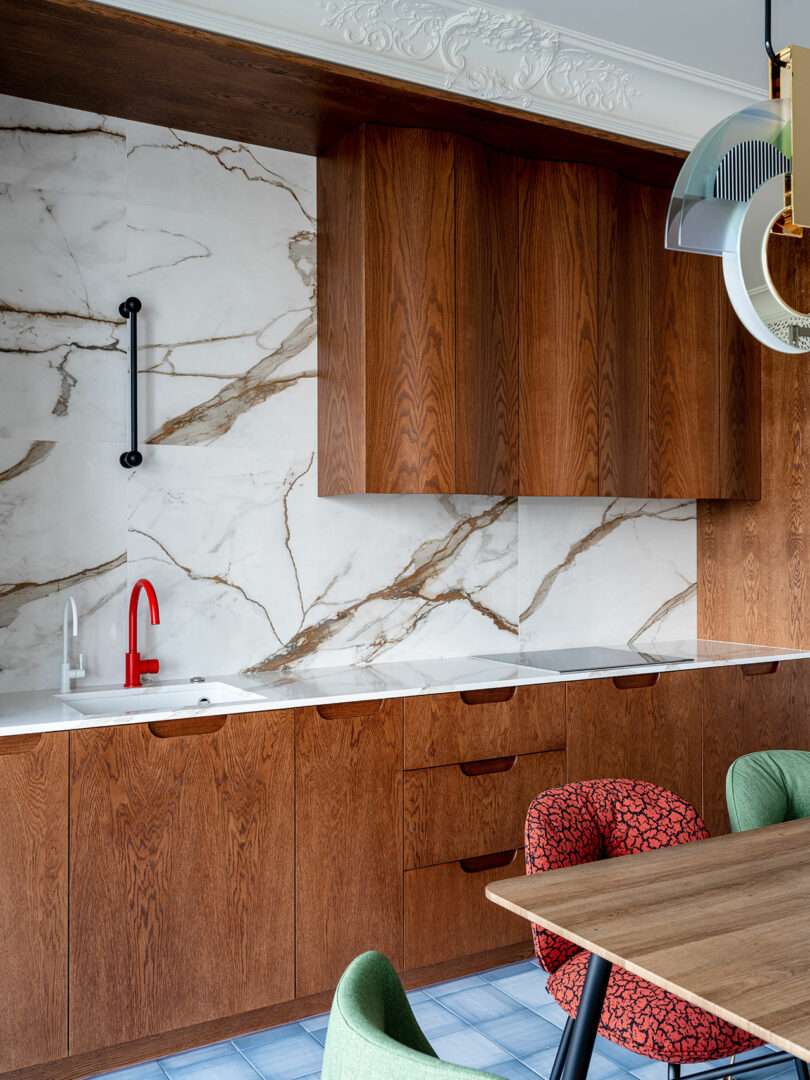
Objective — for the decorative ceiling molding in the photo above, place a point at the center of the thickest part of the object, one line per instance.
(484, 52)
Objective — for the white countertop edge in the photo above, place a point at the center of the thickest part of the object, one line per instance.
(24, 713)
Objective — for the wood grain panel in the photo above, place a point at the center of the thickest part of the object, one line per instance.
(740, 410)
(642, 733)
(759, 710)
(349, 841)
(447, 914)
(451, 816)
(559, 439)
(685, 373)
(628, 228)
(441, 729)
(181, 876)
(341, 318)
(753, 562)
(34, 901)
(68, 52)
(487, 320)
(410, 311)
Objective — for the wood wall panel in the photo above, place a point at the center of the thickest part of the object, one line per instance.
(181, 876)
(486, 276)
(748, 709)
(33, 900)
(451, 815)
(753, 559)
(410, 313)
(349, 829)
(642, 733)
(559, 438)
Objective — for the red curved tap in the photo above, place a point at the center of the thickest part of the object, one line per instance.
(135, 667)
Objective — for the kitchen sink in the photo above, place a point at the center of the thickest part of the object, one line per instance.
(150, 699)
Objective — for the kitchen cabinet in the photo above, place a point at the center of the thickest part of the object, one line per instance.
(349, 838)
(642, 727)
(181, 874)
(33, 898)
(502, 325)
(747, 708)
(417, 303)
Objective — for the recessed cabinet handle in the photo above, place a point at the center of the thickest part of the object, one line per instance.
(487, 697)
(19, 744)
(636, 682)
(481, 863)
(348, 710)
(193, 725)
(488, 765)
(768, 668)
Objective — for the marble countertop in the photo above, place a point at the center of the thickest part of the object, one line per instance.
(26, 713)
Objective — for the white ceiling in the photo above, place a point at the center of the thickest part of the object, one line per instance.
(721, 36)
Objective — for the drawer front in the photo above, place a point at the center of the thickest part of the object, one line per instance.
(442, 729)
(460, 811)
(447, 913)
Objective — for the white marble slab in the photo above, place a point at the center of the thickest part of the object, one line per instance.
(39, 711)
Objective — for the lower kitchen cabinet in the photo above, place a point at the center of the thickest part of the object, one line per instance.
(643, 727)
(182, 902)
(33, 898)
(349, 838)
(747, 708)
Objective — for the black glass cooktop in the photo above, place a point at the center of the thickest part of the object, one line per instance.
(588, 659)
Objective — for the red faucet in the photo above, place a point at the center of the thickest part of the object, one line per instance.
(135, 666)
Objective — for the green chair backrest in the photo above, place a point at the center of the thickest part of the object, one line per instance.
(768, 787)
(373, 1034)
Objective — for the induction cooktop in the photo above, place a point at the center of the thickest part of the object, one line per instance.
(594, 658)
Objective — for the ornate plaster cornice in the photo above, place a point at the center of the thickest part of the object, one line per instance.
(485, 52)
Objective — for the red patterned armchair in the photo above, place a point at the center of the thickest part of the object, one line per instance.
(600, 819)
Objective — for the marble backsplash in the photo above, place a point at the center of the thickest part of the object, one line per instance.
(252, 569)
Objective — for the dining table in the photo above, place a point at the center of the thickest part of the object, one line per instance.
(724, 923)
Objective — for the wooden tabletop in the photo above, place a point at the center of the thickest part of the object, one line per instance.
(724, 923)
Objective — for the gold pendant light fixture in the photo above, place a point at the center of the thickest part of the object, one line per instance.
(746, 181)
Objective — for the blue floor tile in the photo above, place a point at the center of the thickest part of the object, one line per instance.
(284, 1053)
(522, 1033)
(438, 990)
(527, 987)
(150, 1070)
(601, 1068)
(469, 1047)
(222, 1060)
(509, 970)
(435, 1020)
(479, 1003)
(513, 1070)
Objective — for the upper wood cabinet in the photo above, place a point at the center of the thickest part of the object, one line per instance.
(417, 314)
(182, 863)
(466, 296)
(33, 899)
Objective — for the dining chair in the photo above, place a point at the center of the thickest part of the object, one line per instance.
(373, 1033)
(601, 819)
(767, 787)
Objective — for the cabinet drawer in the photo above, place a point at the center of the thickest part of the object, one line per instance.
(442, 729)
(459, 811)
(447, 913)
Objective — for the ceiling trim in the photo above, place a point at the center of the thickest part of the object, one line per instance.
(483, 52)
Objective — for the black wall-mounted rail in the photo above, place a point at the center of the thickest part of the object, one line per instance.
(774, 57)
(129, 309)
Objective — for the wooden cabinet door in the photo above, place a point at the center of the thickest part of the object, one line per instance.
(747, 708)
(624, 727)
(181, 874)
(349, 838)
(33, 899)
(559, 438)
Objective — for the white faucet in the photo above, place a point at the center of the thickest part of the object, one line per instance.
(69, 672)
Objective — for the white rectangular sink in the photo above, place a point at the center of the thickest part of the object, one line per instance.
(152, 699)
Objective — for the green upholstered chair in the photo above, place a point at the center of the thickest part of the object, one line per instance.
(767, 787)
(373, 1034)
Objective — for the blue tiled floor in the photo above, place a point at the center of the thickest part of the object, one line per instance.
(502, 1021)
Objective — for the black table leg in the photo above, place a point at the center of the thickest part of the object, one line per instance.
(589, 1014)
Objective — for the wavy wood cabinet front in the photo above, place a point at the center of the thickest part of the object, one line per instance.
(33, 898)
(181, 867)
